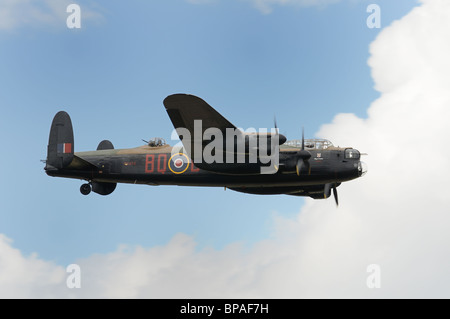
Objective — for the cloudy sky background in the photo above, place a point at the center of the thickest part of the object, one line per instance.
(312, 63)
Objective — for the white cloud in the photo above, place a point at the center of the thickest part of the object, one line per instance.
(36, 13)
(27, 277)
(397, 216)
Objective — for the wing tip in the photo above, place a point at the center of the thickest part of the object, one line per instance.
(177, 99)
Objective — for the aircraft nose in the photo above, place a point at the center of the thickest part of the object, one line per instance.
(362, 168)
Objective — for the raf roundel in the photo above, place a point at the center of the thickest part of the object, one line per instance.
(178, 163)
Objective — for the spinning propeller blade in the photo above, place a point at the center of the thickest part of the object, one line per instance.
(335, 195)
(303, 157)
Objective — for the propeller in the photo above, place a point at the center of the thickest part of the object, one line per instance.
(281, 138)
(275, 124)
(336, 199)
(327, 192)
(303, 157)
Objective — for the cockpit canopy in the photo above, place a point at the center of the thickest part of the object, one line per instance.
(315, 143)
(156, 142)
(352, 153)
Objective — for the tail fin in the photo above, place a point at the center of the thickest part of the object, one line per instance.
(61, 142)
(105, 145)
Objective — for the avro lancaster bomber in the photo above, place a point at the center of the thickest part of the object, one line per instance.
(212, 153)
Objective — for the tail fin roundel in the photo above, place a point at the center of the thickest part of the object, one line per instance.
(61, 143)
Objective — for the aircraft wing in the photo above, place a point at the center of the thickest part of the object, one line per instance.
(185, 109)
(313, 191)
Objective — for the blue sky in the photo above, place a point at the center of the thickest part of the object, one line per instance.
(302, 64)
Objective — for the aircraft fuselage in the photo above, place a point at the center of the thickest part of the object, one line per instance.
(146, 165)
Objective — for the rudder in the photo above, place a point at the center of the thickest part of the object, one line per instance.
(61, 142)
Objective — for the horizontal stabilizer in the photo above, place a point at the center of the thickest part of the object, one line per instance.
(81, 164)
